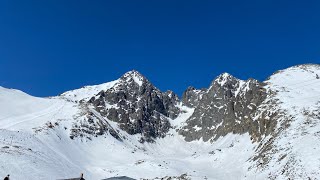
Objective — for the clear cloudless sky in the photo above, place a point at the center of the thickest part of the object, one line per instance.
(48, 47)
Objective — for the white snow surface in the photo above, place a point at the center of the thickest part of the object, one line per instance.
(298, 90)
(26, 153)
(31, 150)
(87, 91)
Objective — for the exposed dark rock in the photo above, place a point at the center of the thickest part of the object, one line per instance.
(92, 125)
(192, 96)
(137, 106)
(229, 106)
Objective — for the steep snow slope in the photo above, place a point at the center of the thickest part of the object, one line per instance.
(296, 145)
(35, 139)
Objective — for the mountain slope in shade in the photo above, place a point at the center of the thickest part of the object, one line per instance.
(234, 129)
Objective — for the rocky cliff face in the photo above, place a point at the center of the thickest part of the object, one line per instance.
(137, 106)
(230, 105)
(192, 96)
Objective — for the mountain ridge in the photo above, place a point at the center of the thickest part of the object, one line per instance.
(242, 129)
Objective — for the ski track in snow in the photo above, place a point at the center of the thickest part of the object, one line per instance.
(51, 111)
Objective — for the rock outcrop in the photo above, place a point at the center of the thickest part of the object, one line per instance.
(137, 106)
(192, 96)
(229, 106)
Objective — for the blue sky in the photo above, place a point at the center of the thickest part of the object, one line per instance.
(48, 47)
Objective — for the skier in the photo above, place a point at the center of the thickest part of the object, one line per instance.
(81, 178)
(7, 177)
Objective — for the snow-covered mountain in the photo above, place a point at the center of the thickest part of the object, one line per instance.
(234, 129)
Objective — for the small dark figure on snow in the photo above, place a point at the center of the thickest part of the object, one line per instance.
(7, 177)
(81, 178)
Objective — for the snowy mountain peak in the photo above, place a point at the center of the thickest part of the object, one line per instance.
(87, 92)
(134, 76)
(132, 73)
(225, 75)
(224, 78)
(138, 106)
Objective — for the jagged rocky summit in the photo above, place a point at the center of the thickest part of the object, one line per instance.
(228, 105)
(136, 105)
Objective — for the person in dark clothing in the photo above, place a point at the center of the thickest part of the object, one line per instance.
(7, 177)
(81, 178)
